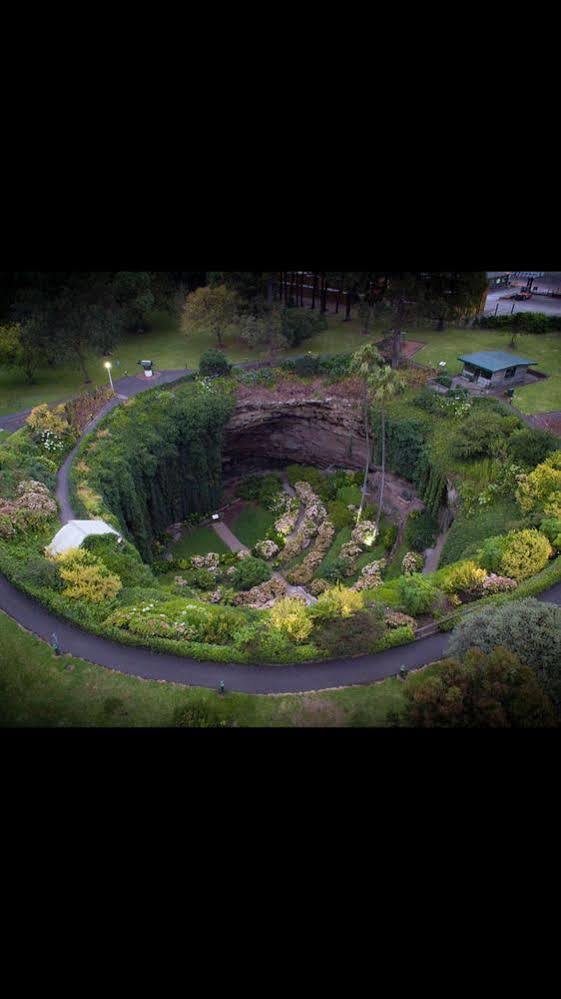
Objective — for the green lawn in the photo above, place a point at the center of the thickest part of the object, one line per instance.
(198, 542)
(252, 523)
(545, 349)
(40, 689)
(169, 348)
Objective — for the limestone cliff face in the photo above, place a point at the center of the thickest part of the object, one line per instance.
(314, 431)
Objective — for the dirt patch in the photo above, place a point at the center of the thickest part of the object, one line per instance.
(295, 388)
(316, 712)
(408, 347)
(400, 499)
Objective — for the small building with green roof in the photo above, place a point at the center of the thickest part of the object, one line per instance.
(493, 367)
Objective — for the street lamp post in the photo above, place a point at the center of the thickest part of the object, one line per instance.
(108, 366)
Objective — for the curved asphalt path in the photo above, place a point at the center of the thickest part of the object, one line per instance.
(150, 665)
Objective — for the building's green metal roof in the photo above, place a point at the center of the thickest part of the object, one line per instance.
(495, 360)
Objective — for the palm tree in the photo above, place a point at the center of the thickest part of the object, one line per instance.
(366, 363)
(384, 384)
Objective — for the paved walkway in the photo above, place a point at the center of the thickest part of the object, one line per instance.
(229, 538)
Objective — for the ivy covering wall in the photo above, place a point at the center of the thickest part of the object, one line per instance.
(156, 460)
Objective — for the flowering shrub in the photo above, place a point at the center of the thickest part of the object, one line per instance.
(86, 577)
(364, 534)
(32, 507)
(541, 489)
(178, 619)
(210, 561)
(42, 419)
(464, 577)
(412, 562)
(289, 615)
(263, 596)
(497, 584)
(266, 549)
(337, 602)
(370, 576)
(304, 572)
(518, 554)
(394, 619)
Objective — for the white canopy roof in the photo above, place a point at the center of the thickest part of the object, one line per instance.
(74, 532)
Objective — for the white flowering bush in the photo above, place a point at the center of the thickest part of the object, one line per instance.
(266, 549)
(412, 562)
(365, 534)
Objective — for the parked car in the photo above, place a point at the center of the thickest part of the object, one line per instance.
(523, 296)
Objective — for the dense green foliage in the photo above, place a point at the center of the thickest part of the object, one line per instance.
(482, 691)
(522, 322)
(518, 554)
(250, 572)
(421, 530)
(418, 594)
(468, 531)
(529, 628)
(529, 447)
(158, 460)
(213, 363)
(336, 638)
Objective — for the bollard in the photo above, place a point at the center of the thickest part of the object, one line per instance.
(403, 672)
(55, 645)
(221, 687)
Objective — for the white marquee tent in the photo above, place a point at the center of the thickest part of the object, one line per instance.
(74, 532)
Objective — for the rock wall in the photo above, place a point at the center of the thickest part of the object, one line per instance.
(313, 431)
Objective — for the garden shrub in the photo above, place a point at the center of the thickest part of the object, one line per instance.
(412, 563)
(529, 628)
(335, 367)
(289, 616)
(305, 366)
(394, 638)
(529, 447)
(463, 577)
(85, 577)
(418, 594)
(551, 527)
(44, 418)
(301, 324)
(388, 536)
(334, 570)
(518, 555)
(540, 490)
(444, 380)
(38, 573)
(213, 364)
(337, 639)
(483, 691)
(482, 434)
(337, 602)
(349, 495)
(306, 473)
(200, 579)
(421, 530)
(120, 558)
(339, 514)
(260, 488)
(198, 713)
(250, 572)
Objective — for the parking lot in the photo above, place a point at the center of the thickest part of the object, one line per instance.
(537, 303)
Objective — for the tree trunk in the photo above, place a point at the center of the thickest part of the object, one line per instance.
(314, 290)
(82, 364)
(383, 480)
(367, 466)
(348, 308)
(218, 332)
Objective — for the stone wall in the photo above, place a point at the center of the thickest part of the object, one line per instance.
(312, 431)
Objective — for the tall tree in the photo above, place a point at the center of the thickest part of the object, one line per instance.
(384, 384)
(366, 363)
(211, 310)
